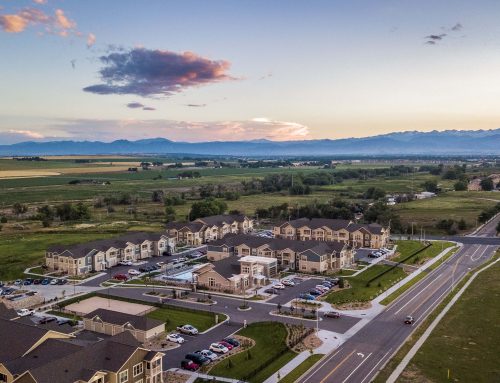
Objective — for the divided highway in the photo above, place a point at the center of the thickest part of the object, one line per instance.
(364, 354)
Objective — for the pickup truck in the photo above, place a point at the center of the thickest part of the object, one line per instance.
(25, 312)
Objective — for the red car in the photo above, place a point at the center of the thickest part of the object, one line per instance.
(189, 365)
(229, 346)
(120, 277)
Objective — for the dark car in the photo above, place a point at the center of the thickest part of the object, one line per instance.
(62, 281)
(197, 358)
(142, 269)
(45, 282)
(62, 321)
(37, 281)
(28, 281)
(189, 365)
(120, 277)
(47, 320)
(332, 314)
(233, 342)
(271, 291)
(315, 292)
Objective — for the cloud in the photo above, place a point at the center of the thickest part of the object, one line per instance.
(148, 108)
(196, 105)
(436, 37)
(193, 131)
(62, 21)
(90, 40)
(73, 63)
(27, 134)
(152, 73)
(135, 105)
(457, 27)
(40, 1)
(16, 23)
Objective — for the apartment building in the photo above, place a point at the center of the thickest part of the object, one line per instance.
(29, 354)
(357, 235)
(307, 256)
(207, 229)
(98, 255)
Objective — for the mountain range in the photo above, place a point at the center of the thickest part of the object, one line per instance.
(449, 142)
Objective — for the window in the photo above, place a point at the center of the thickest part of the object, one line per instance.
(139, 381)
(123, 376)
(138, 369)
(3, 378)
(245, 269)
(211, 282)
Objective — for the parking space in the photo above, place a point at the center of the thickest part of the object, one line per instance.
(292, 292)
(362, 255)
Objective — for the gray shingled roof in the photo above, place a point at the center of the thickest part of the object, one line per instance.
(138, 322)
(192, 226)
(334, 224)
(218, 220)
(19, 337)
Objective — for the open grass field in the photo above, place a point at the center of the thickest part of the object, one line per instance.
(466, 341)
(360, 291)
(406, 248)
(270, 340)
(174, 317)
(18, 251)
(298, 371)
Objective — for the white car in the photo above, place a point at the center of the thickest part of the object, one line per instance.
(125, 263)
(208, 354)
(219, 348)
(321, 288)
(188, 329)
(279, 286)
(53, 282)
(25, 312)
(288, 282)
(176, 338)
(160, 264)
(134, 272)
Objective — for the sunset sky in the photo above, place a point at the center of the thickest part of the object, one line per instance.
(239, 70)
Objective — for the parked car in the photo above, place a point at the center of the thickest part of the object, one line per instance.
(18, 282)
(189, 365)
(409, 320)
(62, 281)
(142, 269)
(160, 264)
(120, 277)
(279, 286)
(332, 314)
(53, 282)
(187, 329)
(28, 281)
(328, 284)
(228, 345)
(176, 338)
(45, 281)
(197, 358)
(125, 263)
(233, 342)
(37, 281)
(207, 354)
(288, 282)
(271, 291)
(2, 284)
(219, 348)
(315, 292)
(307, 297)
(62, 321)
(182, 259)
(134, 272)
(25, 312)
(45, 320)
(335, 281)
(321, 288)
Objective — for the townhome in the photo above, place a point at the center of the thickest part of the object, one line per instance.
(321, 229)
(208, 229)
(98, 255)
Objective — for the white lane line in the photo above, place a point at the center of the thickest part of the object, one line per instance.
(415, 296)
(374, 367)
(475, 251)
(359, 365)
(472, 256)
(322, 365)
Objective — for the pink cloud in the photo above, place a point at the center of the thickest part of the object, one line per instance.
(90, 40)
(13, 23)
(62, 21)
(27, 133)
(40, 1)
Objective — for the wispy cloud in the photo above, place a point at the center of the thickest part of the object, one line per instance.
(196, 105)
(90, 40)
(152, 73)
(432, 39)
(138, 105)
(26, 133)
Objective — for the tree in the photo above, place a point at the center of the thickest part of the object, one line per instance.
(157, 196)
(430, 186)
(209, 206)
(374, 193)
(487, 184)
(169, 214)
(3, 219)
(19, 208)
(207, 190)
(460, 185)
(462, 225)
(341, 283)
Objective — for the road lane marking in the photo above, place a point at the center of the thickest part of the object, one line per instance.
(337, 366)
(477, 259)
(323, 364)
(359, 365)
(420, 292)
(374, 367)
(446, 291)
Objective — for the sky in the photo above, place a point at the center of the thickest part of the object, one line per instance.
(245, 69)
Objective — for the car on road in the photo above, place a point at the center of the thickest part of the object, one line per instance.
(219, 348)
(45, 282)
(307, 297)
(187, 329)
(279, 286)
(207, 354)
(125, 263)
(233, 342)
(332, 314)
(176, 338)
(409, 320)
(288, 282)
(120, 277)
(197, 358)
(25, 312)
(134, 272)
(189, 365)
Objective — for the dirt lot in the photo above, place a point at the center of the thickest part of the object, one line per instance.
(88, 305)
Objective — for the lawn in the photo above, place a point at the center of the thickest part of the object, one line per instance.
(298, 371)
(360, 291)
(467, 340)
(406, 248)
(173, 317)
(270, 347)
(18, 251)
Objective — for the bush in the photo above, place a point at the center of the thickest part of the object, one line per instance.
(3, 219)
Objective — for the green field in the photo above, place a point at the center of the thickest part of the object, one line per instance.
(466, 341)
(406, 248)
(298, 371)
(360, 291)
(174, 317)
(270, 341)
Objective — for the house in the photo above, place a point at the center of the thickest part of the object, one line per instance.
(29, 354)
(307, 256)
(322, 229)
(98, 255)
(475, 183)
(114, 322)
(207, 229)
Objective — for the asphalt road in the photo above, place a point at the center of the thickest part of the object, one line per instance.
(363, 355)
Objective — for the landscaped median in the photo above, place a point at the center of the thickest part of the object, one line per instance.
(301, 369)
(269, 354)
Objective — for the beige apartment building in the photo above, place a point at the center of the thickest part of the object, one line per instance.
(371, 235)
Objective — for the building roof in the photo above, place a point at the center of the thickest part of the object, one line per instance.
(83, 249)
(219, 220)
(254, 258)
(333, 224)
(6, 313)
(117, 318)
(191, 226)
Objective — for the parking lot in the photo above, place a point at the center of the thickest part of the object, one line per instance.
(362, 256)
(292, 292)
